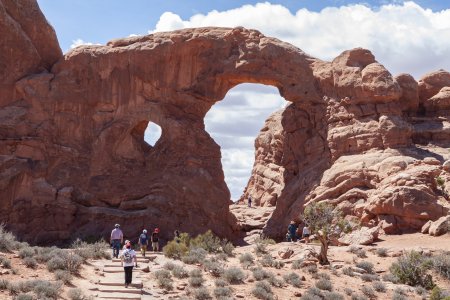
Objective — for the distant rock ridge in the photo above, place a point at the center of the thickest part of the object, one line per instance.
(73, 160)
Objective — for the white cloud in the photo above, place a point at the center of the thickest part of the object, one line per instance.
(80, 42)
(403, 36)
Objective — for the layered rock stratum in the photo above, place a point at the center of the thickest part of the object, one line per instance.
(73, 160)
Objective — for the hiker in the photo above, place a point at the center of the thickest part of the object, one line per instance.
(177, 237)
(143, 242)
(249, 201)
(128, 260)
(292, 229)
(288, 237)
(155, 240)
(116, 239)
(306, 233)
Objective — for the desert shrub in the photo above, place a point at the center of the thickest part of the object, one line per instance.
(311, 269)
(5, 262)
(56, 263)
(361, 253)
(169, 266)
(297, 264)
(421, 291)
(390, 277)
(179, 272)
(223, 256)
(201, 294)
(379, 286)
(369, 277)
(261, 245)
(293, 279)
(24, 297)
(348, 291)
(439, 294)
(266, 260)
(411, 269)
(222, 292)
(365, 265)
(195, 256)
(8, 242)
(368, 291)
(382, 252)
(76, 294)
(441, 263)
(234, 275)
(227, 248)
(262, 290)
(175, 250)
(277, 264)
(95, 250)
(30, 262)
(4, 284)
(246, 260)
(63, 260)
(213, 267)
(323, 275)
(164, 279)
(397, 296)
(359, 297)
(207, 241)
(14, 288)
(313, 293)
(63, 276)
(275, 281)
(45, 289)
(353, 249)
(348, 271)
(26, 252)
(260, 274)
(220, 282)
(333, 296)
(324, 284)
(196, 281)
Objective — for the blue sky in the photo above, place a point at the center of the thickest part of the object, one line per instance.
(405, 36)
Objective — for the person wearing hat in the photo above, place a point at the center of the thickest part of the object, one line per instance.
(155, 240)
(129, 260)
(143, 242)
(116, 239)
(292, 229)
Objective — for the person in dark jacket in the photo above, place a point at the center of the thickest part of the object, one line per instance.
(155, 240)
(292, 229)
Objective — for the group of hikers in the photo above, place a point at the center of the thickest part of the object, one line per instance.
(293, 233)
(128, 257)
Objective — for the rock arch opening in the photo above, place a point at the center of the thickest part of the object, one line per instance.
(152, 133)
(234, 123)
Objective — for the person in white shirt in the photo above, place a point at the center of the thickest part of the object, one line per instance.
(116, 239)
(129, 260)
(306, 233)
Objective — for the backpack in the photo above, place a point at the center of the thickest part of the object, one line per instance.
(143, 239)
(127, 258)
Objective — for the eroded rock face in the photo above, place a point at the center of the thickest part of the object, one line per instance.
(73, 160)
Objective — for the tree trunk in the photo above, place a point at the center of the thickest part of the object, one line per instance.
(323, 259)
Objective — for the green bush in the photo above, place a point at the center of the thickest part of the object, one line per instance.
(261, 274)
(96, 250)
(234, 275)
(44, 289)
(196, 278)
(213, 267)
(439, 294)
(266, 260)
(56, 263)
(246, 260)
(262, 290)
(207, 241)
(412, 268)
(30, 262)
(8, 242)
(175, 250)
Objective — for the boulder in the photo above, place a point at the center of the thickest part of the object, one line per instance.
(440, 227)
(285, 253)
(363, 236)
(426, 227)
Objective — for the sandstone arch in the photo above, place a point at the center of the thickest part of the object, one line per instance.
(69, 160)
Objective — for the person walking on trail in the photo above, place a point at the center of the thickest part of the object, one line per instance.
(249, 201)
(116, 239)
(306, 233)
(155, 240)
(129, 260)
(143, 242)
(292, 229)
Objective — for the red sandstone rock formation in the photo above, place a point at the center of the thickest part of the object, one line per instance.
(73, 160)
